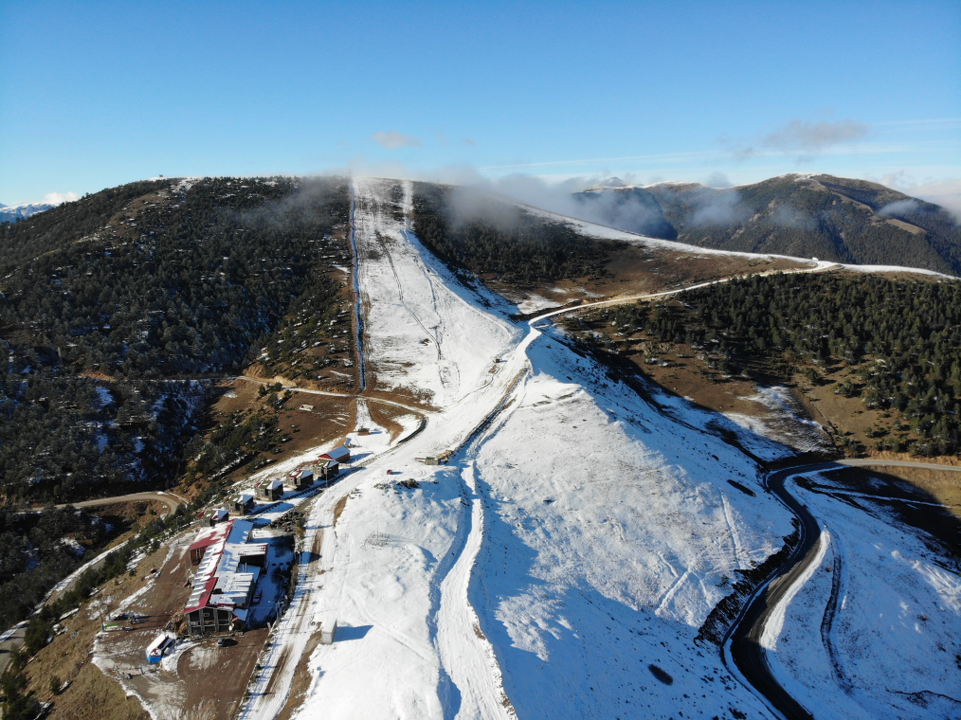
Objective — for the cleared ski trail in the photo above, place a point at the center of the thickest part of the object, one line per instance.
(424, 330)
(399, 653)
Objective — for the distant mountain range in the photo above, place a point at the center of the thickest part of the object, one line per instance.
(12, 213)
(822, 216)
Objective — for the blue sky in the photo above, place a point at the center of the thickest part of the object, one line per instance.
(96, 94)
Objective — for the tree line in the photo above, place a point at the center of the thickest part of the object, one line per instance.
(516, 245)
(902, 339)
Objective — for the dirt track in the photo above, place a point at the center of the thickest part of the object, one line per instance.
(167, 498)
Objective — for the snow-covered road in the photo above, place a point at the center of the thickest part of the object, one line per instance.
(844, 644)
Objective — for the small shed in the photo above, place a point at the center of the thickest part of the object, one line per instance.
(340, 454)
(212, 516)
(156, 649)
(301, 478)
(327, 632)
(269, 489)
(307, 408)
(242, 504)
(326, 470)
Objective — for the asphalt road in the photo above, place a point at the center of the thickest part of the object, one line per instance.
(745, 635)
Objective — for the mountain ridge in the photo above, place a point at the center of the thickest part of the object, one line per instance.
(800, 214)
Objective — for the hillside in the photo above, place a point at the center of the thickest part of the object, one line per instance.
(634, 209)
(826, 334)
(537, 515)
(117, 309)
(538, 259)
(844, 220)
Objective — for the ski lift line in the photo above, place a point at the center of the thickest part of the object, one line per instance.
(358, 322)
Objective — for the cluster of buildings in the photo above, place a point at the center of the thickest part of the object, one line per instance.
(324, 469)
(229, 565)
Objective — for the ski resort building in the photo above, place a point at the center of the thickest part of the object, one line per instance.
(229, 567)
(326, 470)
(242, 504)
(269, 489)
(340, 454)
(301, 478)
(213, 516)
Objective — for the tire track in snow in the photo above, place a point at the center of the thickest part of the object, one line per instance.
(735, 538)
(400, 293)
(469, 664)
(672, 591)
(466, 654)
(838, 591)
(443, 368)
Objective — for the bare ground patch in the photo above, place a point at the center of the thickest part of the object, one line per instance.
(638, 270)
(402, 395)
(339, 508)
(387, 417)
(314, 420)
(304, 421)
(215, 678)
(68, 656)
(301, 681)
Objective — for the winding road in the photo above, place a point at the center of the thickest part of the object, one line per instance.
(169, 499)
(744, 639)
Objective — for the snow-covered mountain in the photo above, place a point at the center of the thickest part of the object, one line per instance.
(537, 535)
(565, 559)
(13, 213)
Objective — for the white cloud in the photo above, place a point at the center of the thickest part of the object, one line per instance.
(945, 192)
(55, 198)
(798, 136)
(813, 137)
(394, 139)
(900, 207)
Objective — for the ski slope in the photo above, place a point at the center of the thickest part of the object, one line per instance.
(424, 331)
(433, 621)
(560, 565)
